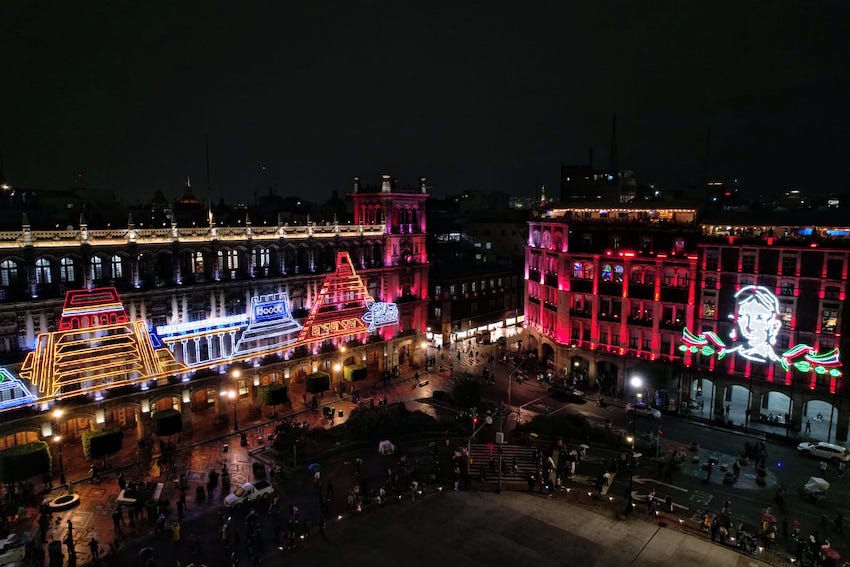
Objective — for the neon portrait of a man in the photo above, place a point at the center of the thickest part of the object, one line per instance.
(758, 324)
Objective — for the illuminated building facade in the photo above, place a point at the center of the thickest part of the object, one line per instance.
(719, 316)
(116, 324)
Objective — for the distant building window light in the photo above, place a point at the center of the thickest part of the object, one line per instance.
(487, 246)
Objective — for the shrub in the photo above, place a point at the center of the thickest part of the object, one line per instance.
(318, 382)
(102, 443)
(272, 395)
(24, 461)
(354, 372)
(166, 423)
(467, 393)
(574, 427)
(383, 422)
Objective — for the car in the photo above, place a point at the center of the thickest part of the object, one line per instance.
(643, 409)
(568, 395)
(826, 451)
(249, 492)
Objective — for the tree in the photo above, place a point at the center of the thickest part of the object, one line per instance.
(167, 423)
(272, 395)
(354, 372)
(318, 382)
(100, 444)
(24, 461)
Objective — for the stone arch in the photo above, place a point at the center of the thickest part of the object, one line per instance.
(166, 401)
(547, 355)
(203, 398)
(122, 414)
(273, 377)
(26, 434)
(824, 428)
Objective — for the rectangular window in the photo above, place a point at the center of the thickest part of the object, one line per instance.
(748, 263)
(789, 265)
(438, 290)
(603, 337)
(667, 315)
(782, 341)
(438, 311)
(615, 338)
(709, 309)
(473, 307)
(834, 268)
(574, 334)
(786, 288)
(665, 346)
(786, 314)
(711, 283)
(669, 278)
(711, 259)
(832, 292)
(829, 321)
(646, 344)
(463, 288)
(633, 342)
(452, 289)
(474, 287)
(634, 310)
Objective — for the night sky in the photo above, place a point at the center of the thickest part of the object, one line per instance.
(484, 95)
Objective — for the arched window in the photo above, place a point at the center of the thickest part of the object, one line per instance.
(228, 259)
(198, 263)
(588, 271)
(669, 278)
(649, 276)
(577, 270)
(636, 275)
(42, 272)
(683, 279)
(606, 274)
(8, 273)
(618, 273)
(261, 257)
(117, 267)
(96, 268)
(66, 270)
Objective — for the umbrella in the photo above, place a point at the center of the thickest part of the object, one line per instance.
(313, 467)
(831, 553)
(583, 446)
(768, 517)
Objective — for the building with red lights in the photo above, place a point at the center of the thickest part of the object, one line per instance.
(651, 291)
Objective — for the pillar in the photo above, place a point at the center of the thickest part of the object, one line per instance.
(186, 417)
(843, 421)
(143, 424)
(797, 403)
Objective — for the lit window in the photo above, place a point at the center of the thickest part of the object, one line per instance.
(42, 271)
(96, 268)
(786, 288)
(829, 321)
(117, 267)
(709, 309)
(606, 273)
(67, 272)
(577, 270)
(8, 273)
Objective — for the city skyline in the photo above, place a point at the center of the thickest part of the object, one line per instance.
(302, 99)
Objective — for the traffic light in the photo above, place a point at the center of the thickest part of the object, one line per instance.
(475, 420)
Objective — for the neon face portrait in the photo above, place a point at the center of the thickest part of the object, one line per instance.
(758, 323)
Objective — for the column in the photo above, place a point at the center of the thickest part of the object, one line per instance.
(143, 424)
(186, 417)
(222, 310)
(843, 420)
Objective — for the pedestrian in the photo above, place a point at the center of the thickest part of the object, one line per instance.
(122, 482)
(823, 467)
(94, 546)
(808, 426)
(736, 469)
(116, 521)
(175, 533)
(709, 469)
(841, 466)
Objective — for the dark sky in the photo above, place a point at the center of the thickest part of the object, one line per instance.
(483, 95)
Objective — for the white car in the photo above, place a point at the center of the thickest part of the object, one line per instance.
(249, 492)
(825, 451)
(643, 409)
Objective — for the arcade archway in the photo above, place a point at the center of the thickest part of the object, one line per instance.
(701, 397)
(820, 420)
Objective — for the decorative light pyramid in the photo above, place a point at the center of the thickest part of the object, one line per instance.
(338, 309)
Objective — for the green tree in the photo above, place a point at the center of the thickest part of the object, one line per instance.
(102, 443)
(24, 461)
(318, 382)
(166, 423)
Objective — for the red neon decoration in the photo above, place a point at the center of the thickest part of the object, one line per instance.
(87, 308)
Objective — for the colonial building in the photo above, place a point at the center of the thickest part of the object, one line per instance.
(649, 290)
(190, 287)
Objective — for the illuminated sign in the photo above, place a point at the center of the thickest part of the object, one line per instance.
(757, 326)
(98, 348)
(270, 307)
(379, 314)
(13, 393)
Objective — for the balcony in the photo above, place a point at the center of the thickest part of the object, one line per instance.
(671, 325)
(640, 321)
(533, 274)
(584, 313)
(614, 317)
(551, 280)
(550, 306)
(534, 300)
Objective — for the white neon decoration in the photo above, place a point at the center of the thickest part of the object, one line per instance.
(379, 313)
(758, 322)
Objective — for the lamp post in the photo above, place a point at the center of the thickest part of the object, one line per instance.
(58, 440)
(501, 437)
(232, 396)
(636, 383)
(342, 350)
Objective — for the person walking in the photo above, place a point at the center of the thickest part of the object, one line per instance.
(808, 426)
(94, 547)
(175, 532)
(116, 520)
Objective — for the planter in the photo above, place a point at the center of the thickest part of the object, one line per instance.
(64, 502)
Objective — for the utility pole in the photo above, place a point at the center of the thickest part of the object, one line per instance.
(500, 437)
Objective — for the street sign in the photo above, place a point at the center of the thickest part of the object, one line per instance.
(500, 438)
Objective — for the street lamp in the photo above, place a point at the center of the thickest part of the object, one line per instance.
(58, 440)
(637, 383)
(502, 415)
(232, 396)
